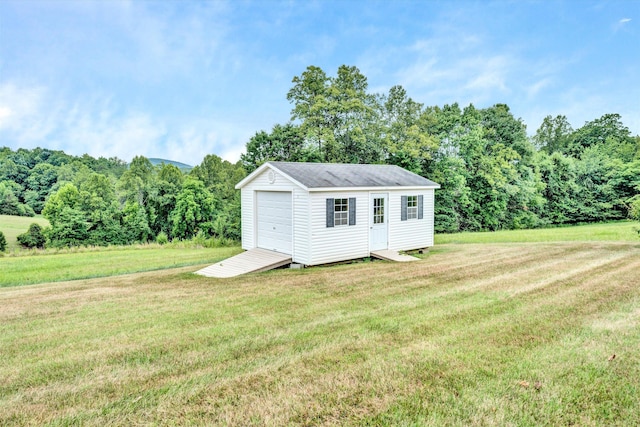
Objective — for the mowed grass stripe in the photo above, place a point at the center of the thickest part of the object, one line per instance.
(570, 352)
(377, 343)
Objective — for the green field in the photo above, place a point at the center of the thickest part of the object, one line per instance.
(103, 262)
(534, 333)
(622, 231)
(29, 267)
(12, 226)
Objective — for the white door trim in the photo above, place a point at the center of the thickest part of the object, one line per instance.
(378, 221)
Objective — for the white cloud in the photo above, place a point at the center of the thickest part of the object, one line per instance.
(484, 75)
(36, 117)
(193, 140)
(21, 118)
(474, 79)
(621, 24)
(535, 88)
(18, 104)
(104, 134)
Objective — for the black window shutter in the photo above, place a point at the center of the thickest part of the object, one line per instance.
(330, 208)
(403, 208)
(420, 213)
(352, 211)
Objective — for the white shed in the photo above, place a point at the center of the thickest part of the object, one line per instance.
(324, 212)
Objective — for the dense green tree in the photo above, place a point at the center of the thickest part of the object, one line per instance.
(606, 130)
(501, 127)
(404, 130)
(111, 167)
(336, 115)
(33, 237)
(97, 192)
(69, 229)
(219, 178)
(597, 197)
(194, 211)
(170, 174)
(133, 185)
(624, 178)
(558, 172)
(525, 203)
(9, 171)
(227, 220)
(554, 134)
(40, 182)
(97, 201)
(134, 223)
(10, 203)
(105, 228)
(162, 198)
(490, 172)
(453, 200)
(68, 196)
(3, 242)
(634, 206)
(285, 143)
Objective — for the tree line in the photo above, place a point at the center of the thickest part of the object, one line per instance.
(107, 202)
(493, 175)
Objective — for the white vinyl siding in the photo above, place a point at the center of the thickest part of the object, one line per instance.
(331, 244)
(414, 234)
(246, 218)
(313, 242)
(301, 232)
(249, 208)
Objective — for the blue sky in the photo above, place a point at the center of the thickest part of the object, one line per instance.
(182, 79)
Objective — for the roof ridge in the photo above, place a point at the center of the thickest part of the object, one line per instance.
(351, 175)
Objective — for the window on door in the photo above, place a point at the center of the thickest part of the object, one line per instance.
(378, 210)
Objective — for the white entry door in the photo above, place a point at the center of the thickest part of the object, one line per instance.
(378, 221)
(274, 221)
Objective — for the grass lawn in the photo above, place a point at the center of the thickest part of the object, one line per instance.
(475, 334)
(12, 226)
(621, 231)
(103, 262)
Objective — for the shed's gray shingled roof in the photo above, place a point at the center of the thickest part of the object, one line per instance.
(338, 175)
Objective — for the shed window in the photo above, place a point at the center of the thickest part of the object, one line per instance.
(341, 212)
(411, 207)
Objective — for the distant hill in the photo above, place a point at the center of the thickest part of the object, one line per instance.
(182, 166)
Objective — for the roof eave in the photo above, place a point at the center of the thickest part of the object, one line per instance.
(386, 188)
(252, 175)
(260, 169)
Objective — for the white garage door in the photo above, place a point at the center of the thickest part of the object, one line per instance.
(274, 221)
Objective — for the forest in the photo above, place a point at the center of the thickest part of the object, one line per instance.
(493, 174)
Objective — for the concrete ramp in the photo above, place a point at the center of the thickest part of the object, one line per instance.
(251, 261)
(390, 255)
